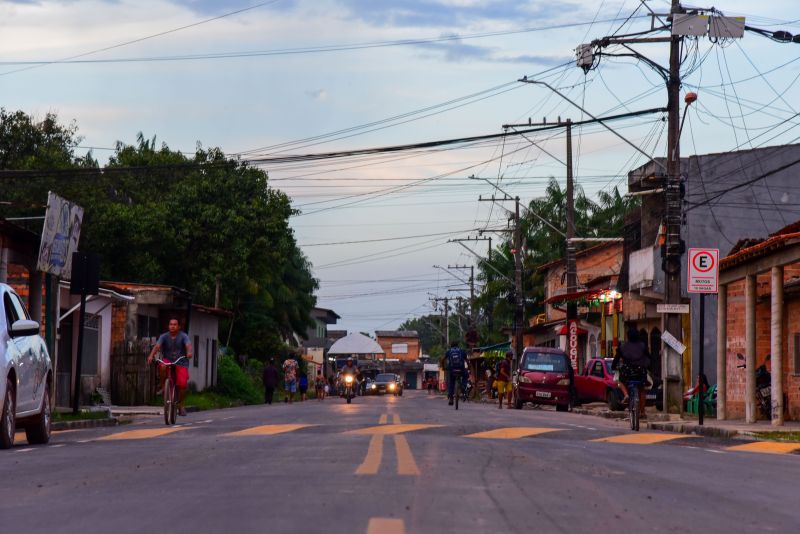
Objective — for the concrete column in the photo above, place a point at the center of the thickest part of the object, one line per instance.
(750, 413)
(776, 345)
(722, 351)
(4, 265)
(35, 295)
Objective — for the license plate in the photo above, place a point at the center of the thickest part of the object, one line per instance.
(544, 394)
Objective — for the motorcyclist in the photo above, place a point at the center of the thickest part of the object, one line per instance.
(349, 368)
(455, 359)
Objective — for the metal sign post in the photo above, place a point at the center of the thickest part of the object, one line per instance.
(703, 278)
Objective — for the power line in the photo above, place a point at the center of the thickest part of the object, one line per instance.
(139, 40)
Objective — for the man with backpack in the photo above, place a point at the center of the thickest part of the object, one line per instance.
(456, 360)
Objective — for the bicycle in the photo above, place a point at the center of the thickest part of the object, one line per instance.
(633, 403)
(170, 404)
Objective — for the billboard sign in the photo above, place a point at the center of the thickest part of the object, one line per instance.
(572, 343)
(62, 229)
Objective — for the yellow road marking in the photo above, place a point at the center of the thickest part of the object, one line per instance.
(390, 429)
(385, 525)
(382, 420)
(143, 433)
(267, 430)
(396, 419)
(768, 447)
(19, 437)
(512, 432)
(645, 438)
(405, 460)
(372, 462)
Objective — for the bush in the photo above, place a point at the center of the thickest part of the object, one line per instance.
(233, 382)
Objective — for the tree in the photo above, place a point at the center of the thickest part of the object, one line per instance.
(159, 216)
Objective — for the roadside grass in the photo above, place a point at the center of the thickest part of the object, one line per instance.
(778, 436)
(59, 417)
(208, 400)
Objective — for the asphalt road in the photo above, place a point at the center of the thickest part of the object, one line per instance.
(390, 465)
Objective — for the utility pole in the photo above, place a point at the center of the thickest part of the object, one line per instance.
(519, 308)
(673, 361)
(572, 269)
(446, 318)
(471, 290)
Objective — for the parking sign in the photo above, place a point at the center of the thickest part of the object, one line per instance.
(703, 270)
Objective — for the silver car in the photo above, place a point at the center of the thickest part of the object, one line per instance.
(26, 379)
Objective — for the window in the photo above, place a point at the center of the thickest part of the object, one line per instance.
(545, 361)
(796, 354)
(213, 361)
(196, 351)
(400, 348)
(147, 327)
(597, 370)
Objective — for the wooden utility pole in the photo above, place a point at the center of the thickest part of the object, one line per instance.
(572, 268)
(519, 302)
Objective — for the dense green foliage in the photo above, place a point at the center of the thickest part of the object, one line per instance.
(156, 215)
(233, 382)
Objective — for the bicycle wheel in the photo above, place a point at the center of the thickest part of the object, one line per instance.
(634, 406)
(457, 393)
(173, 415)
(168, 400)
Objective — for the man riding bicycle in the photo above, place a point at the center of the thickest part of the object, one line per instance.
(173, 345)
(456, 360)
(632, 361)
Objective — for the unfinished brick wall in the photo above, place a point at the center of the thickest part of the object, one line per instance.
(736, 341)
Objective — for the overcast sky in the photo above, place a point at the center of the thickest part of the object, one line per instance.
(289, 71)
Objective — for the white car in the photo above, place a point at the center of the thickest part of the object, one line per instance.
(26, 374)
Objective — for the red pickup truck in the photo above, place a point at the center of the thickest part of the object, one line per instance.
(597, 384)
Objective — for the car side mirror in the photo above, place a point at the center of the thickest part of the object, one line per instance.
(24, 327)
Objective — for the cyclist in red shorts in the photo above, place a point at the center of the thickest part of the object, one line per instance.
(173, 345)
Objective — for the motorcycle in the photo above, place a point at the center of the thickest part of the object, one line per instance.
(349, 388)
(763, 386)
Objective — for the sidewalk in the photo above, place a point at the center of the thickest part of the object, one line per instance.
(688, 424)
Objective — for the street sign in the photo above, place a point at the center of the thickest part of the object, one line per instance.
(673, 342)
(572, 343)
(703, 270)
(672, 308)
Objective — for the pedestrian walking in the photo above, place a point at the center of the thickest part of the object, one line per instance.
(302, 385)
(290, 379)
(319, 386)
(504, 380)
(271, 379)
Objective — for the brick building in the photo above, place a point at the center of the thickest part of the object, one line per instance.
(759, 315)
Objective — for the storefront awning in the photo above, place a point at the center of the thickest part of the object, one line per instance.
(575, 295)
(563, 331)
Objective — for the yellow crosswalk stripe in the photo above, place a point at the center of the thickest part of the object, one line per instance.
(766, 447)
(406, 465)
(267, 430)
(512, 432)
(385, 525)
(644, 438)
(390, 429)
(144, 433)
(382, 420)
(372, 462)
(396, 418)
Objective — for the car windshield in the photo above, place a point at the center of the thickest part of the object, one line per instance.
(609, 370)
(384, 378)
(544, 361)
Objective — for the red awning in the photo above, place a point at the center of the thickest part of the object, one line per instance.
(563, 330)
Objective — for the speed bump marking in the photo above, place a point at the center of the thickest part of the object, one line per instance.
(267, 430)
(144, 433)
(766, 447)
(390, 429)
(645, 438)
(512, 432)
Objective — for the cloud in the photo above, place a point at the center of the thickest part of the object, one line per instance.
(317, 94)
(420, 13)
(459, 51)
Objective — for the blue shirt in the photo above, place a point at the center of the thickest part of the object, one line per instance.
(172, 349)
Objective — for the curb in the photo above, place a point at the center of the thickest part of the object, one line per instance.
(85, 423)
(606, 414)
(693, 428)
